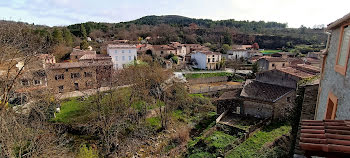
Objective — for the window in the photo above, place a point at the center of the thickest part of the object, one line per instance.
(161, 52)
(129, 51)
(88, 74)
(213, 55)
(129, 58)
(37, 82)
(208, 60)
(332, 104)
(283, 64)
(59, 77)
(273, 65)
(60, 89)
(76, 57)
(116, 51)
(123, 58)
(122, 51)
(66, 70)
(75, 75)
(76, 86)
(288, 99)
(343, 50)
(116, 58)
(24, 82)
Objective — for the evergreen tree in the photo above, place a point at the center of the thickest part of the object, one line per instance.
(84, 45)
(57, 36)
(68, 37)
(83, 32)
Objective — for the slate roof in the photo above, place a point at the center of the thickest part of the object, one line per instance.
(163, 47)
(328, 136)
(295, 72)
(262, 91)
(274, 59)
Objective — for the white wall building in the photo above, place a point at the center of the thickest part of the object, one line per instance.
(122, 54)
(207, 60)
(237, 54)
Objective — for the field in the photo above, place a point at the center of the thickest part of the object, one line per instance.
(206, 75)
(252, 147)
(270, 51)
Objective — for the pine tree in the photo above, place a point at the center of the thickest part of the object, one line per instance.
(68, 37)
(84, 45)
(83, 31)
(57, 36)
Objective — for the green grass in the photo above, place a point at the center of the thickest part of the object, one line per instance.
(270, 51)
(220, 140)
(206, 75)
(251, 147)
(199, 95)
(70, 110)
(154, 122)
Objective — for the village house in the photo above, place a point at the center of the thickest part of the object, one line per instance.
(122, 54)
(32, 79)
(270, 63)
(77, 76)
(195, 47)
(327, 135)
(265, 100)
(77, 54)
(163, 50)
(207, 60)
(334, 96)
(181, 50)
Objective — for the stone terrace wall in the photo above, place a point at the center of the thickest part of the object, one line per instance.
(207, 80)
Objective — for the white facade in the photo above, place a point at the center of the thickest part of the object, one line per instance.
(201, 60)
(207, 60)
(122, 55)
(237, 54)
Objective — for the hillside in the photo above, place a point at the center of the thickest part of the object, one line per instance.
(170, 28)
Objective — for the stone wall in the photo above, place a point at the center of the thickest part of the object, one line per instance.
(334, 82)
(207, 80)
(307, 111)
(277, 78)
(68, 82)
(257, 109)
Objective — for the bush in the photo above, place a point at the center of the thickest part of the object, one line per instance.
(87, 152)
(175, 59)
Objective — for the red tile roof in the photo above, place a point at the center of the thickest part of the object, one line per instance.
(273, 59)
(295, 72)
(329, 136)
(80, 64)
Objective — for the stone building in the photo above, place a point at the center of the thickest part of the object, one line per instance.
(264, 100)
(77, 54)
(270, 63)
(76, 76)
(163, 50)
(334, 96)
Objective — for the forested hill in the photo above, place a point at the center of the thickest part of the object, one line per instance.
(175, 20)
(170, 28)
(165, 29)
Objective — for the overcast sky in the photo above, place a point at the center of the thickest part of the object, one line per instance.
(65, 12)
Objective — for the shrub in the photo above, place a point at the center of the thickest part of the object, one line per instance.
(87, 152)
